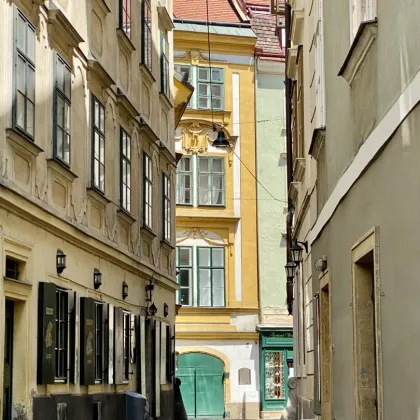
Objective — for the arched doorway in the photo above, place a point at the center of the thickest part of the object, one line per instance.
(202, 387)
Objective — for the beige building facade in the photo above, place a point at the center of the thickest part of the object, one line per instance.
(87, 209)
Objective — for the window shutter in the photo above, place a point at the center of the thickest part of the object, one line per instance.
(169, 368)
(105, 342)
(163, 353)
(46, 332)
(142, 345)
(157, 368)
(119, 346)
(87, 340)
(110, 345)
(133, 338)
(74, 337)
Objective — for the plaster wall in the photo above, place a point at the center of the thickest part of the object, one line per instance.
(378, 199)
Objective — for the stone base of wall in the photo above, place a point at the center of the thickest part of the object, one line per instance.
(305, 408)
(270, 414)
(248, 411)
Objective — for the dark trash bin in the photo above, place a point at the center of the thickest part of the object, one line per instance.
(135, 406)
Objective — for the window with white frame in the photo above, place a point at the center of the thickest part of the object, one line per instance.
(24, 100)
(201, 181)
(164, 65)
(199, 77)
(185, 181)
(166, 208)
(98, 145)
(147, 191)
(201, 276)
(125, 180)
(184, 258)
(361, 11)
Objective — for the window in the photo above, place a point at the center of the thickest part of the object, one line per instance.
(61, 337)
(362, 11)
(98, 341)
(62, 111)
(211, 276)
(147, 35)
(203, 85)
(24, 101)
(185, 71)
(166, 208)
(12, 268)
(164, 65)
(184, 181)
(98, 145)
(126, 347)
(147, 192)
(125, 181)
(185, 275)
(211, 181)
(125, 17)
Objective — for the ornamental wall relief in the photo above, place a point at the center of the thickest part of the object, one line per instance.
(211, 238)
(195, 138)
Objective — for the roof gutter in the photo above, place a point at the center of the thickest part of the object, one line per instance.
(212, 23)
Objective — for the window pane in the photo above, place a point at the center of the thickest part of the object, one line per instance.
(67, 117)
(218, 278)
(96, 113)
(31, 43)
(60, 111)
(20, 110)
(60, 75)
(203, 89)
(184, 277)
(128, 175)
(216, 91)
(217, 103)
(218, 197)
(185, 296)
(218, 297)
(217, 75)
(66, 148)
(128, 151)
(67, 81)
(204, 164)
(96, 179)
(217, 165)
(31, 83)
(204, 182)
(186, 164)
(59, 145)
(204, 257)
(102, 119)
(102, 150)
(185, 256)
(205, 297)
(218, 257)
(21, 33)
(20, 74)
(102, 177)
(203, 102)
(204, 198)
(205, 278)
(203, 74)
(30, 111)
(96, 146)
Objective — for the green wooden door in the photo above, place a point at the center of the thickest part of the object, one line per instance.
(202, 385)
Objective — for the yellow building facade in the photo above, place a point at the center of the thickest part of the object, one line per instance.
(216, 223)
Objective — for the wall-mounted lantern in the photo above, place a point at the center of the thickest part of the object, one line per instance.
(290, 268)
(97, 279)
(60, 261)
(296, 251)
(124, 290)
(152, 310)
(149, 290)
(165, 310)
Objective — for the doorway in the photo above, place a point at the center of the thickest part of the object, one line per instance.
(202, 385)
(8, 360)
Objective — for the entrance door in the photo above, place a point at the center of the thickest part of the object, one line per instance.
(202, 385)
(8, 361)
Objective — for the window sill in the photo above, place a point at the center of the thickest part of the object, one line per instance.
(125, 42)
(318, 138)
(147, 73)
(102, 7)
(166, 101)
(165, 18)
(126, 216)
(166, 244)
(299, 169)
(184, 205)
(19, 282)
(211, 206)
(98, 196)
(62, 169)
(148, 232)
(362, 43)
(124, 103)
(23, 142)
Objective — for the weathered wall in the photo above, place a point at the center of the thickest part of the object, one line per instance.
(385, 197)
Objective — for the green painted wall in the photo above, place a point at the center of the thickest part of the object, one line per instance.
(271, 172)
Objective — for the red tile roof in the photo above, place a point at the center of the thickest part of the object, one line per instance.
(268, 42)
(219, 11)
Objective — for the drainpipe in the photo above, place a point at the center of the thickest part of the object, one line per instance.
(289, 151)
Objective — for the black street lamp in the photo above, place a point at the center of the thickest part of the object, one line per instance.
(290, 268)
(60, 261)
(124, 290)
(153, 310)
(97, 279)
(296, 251)
(221, 142)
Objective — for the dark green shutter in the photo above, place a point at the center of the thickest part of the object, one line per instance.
(74, 338)
(47, 308)
(105, 342)
(168, 354)
(119, 346)
(87, 341)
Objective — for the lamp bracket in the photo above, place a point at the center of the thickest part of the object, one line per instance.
(305, 245)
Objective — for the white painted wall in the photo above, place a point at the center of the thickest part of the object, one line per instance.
(241, 354)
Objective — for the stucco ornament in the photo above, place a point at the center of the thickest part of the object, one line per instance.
(210, 238)
(48, 335)
(195, 138)
(89, 344)
(290, 412)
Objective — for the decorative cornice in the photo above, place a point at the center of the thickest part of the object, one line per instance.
(65, 30)
(164, 17)
(125, 42)
(318, 138)
(96, 68)
(126, 106)
(20, 141)
(217, 335)
(291, 62)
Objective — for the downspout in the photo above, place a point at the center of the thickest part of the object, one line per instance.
(289, 151)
